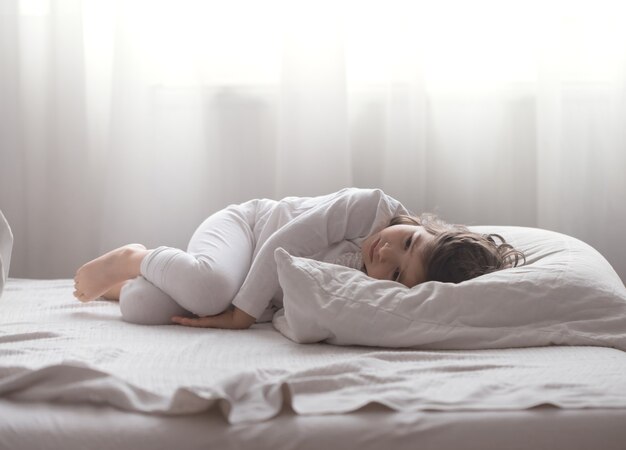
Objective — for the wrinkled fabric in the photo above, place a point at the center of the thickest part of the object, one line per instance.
(56, 349)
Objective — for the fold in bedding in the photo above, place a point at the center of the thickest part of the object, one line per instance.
(55, 349)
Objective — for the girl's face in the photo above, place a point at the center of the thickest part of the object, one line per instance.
(396, 253)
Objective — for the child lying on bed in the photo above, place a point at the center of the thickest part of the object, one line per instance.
(228, 276)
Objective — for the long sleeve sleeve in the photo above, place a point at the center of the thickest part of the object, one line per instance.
(345, 215)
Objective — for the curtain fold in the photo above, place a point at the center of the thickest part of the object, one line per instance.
(131, 121)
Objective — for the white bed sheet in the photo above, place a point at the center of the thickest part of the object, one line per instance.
(56, 350)
(28, 426)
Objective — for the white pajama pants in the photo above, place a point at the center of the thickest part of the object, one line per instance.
(201, 281)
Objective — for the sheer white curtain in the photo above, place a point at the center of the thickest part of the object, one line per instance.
(133, 120)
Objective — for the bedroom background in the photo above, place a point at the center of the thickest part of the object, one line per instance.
(131, 121)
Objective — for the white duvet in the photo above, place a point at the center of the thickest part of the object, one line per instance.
(53, 348)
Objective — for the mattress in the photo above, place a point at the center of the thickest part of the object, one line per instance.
(74, 375)
(27, 426)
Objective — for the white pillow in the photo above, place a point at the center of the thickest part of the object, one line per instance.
(566, 294)
(6, 245)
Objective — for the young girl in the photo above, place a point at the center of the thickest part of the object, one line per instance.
(228, 278)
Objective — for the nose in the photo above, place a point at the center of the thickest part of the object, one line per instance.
(385, 252)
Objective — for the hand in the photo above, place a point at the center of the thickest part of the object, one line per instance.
(201, 322)
(233, 319)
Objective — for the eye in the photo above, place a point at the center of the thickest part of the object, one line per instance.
(396, 275)
(407, 244)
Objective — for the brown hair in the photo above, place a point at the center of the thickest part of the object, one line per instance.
(458, 254)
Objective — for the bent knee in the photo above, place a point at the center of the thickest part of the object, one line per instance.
(211, 294)
(143, 303)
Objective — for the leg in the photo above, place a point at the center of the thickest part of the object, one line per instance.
(143, 303)
(205, 279)
(99, 276)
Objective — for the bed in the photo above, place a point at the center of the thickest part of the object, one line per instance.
(274, 393)
(75, 375)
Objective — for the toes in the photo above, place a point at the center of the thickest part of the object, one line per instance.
(80, 296)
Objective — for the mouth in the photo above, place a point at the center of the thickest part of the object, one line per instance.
(372, 248)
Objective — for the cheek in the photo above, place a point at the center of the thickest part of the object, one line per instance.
(376, 272)
(421, 277)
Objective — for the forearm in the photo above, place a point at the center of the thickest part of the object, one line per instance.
(232, 319)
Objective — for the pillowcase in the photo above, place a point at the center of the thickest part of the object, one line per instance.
(6, 245)
(566, 294)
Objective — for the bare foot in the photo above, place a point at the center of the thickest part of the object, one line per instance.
(102, 274)
(114, 292)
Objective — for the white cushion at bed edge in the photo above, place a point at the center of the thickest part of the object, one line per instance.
(6, 245)
(567, 294)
